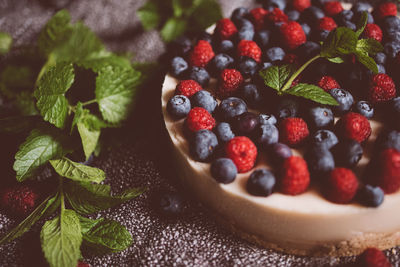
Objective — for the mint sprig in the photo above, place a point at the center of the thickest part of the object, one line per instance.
(5, 42)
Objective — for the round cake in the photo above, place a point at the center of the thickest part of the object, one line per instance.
(304, 224)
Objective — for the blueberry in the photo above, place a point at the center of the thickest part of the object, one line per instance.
(251, 95)
(203, 145)
(220, 62)
(269, 4)
(319, 160)
(181, 46)
(170, 203)
(287, 108)
(262, 38)
(344, 98)
(226, 46)
(266, 65)
(349, 24)
(279, 152)
(205, 36)
(320, 117)
(261, 183)
(245, 30)
(380, 58)
(371, 196)
(245, 123)
(293, 15)
(266, 135)
(348, 153)
(360, 7)
(308, 50)
(394, 113)
(274, 54)
(319, 3)
(231, 107)
(342, 17)
(224, 132)
(388, 140)
(306, 29)
(391, 49)
(364, 108)
(267, 119)
(178, 66)
(239, 13)
(204, 99)
(178, 106)
(321, 35)
(247, 66)
(390, 27)
(200, 75)
(224, 170)
(324, 138)
(311, 15)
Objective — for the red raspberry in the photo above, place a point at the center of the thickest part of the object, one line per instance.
(293, 34)
(82, 264)
(187, 88)
(301, 5)
(333, 8)
(385, 10)
(328, 83)
(242, 151)
(373, 257)
(258, 16)
(19, 200)
(295, 177)
(354, 126)
(291, 59)
(250, 49)
(327, 23)
(342, 185)
(202, 54)
(226, 29)
(276, 16)
(293, 131)
(230, 80)
(382, 88)
(373, 31)
(199, 119)
(388, 177)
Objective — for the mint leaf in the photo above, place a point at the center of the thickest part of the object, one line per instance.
(40, 146)
(48, 204)
(16, 78)
(276, 76)
(149, 15)
(104, 236)
(205, 13)
(369, 46)
(367, 61)
(18, 124)
(25, 102)
(313, 93)
(361, 24)
(98, 60)
(180, 6)
(61, 239)
(90, 198)
(173, 28)
(76, 171)
(50, 93)
(115, 90)
(337, 60)
(5, 43)
(341, 41)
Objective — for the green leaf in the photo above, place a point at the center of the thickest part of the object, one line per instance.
(173, 28)
(90, 138)
(369, 46)
(181, 6)
(115, 90)
(76, 171)
(361, 24)
(276, 76)
(205, 14)
(50, 203)
(341, 41)
(367, 61)
(16, 78)
(313, 93)
(149, 15)
(61, 239)
(40, 146)
(90, 198)
(50, 93)
(18, 124)
(5, 42)
(104, 236)
(337, 60)
(98, 60)
(25, 102)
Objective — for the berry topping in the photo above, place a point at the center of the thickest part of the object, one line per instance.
(224, 132)
(19, 200)
(226, 29)
(200, 75)
(203, 144)
(261, 183)
(327, 24)
(251, 95)
(319, 117)
(279, 152)
(333, 8)
(301, 5)
(382, 88)
(388, 177)
(266, 135)
(364, 108)
(341, 186)
(242, 151)
(187, 88)
(249, 49)
(295, 176)
(371, 196)
(293, 131)
(245, 123)
(354, 126)
(230, 81)
(257, 17)
(324, 139)
(231, 107)
(199, 119)
(220, 62)
(178, 66)
(292, 35)
(386, 9)
(348, 153)
(204, 99)
(320, 161)
(373, 257)
(202, 54)
(178, 106)
(223, 170)
(373, 31)
(344, 98)
(276, 16)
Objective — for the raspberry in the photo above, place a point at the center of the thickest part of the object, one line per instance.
(342, 185)
(382, 88)
(258, 16)
(328, 83)
(249, 49)
(385, 10)
(291, 59)
(226, 29)
(242, 151)
(333, 8)
(293, 34)
(293, 131)
(276, 16)
(354, 126)
(230, 80)
(187, 88)
(295, 177)
(373, 257)
(301, 5)
(327, 23)
(373, 31)
(388, 177)
(82, 264)
(19, 200)
(202, 54)
(199, 119)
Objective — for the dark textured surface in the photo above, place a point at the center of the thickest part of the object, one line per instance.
(142, 160)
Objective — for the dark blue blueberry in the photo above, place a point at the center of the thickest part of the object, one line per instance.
(262, 38)
(205, 36)
(245, 30)
(364, 108)
(245, 123)
(181, 46)
(392, 48)
(224, 132)
(388, 140)
(271, 4)
(203, 145)
(231, 107)
(371, 196)
(226, 46)
(261, 183)
(247, 66)
(324, 138)
(390, 27)
(204, 99)
(306, 29)
(274, 54)
(394, 117)
(319, 3)
(321, 35)
(279, 152)
(348, 153)
(220, 62)
(361, 7)
(380, 58)
(267, 119)
(342, 17)
(319, 160)
(293, 15)
(178, 66)
(266, 135)
(320, 117)
(287, 108)
(179, 106)
(349, 24)
(224, 170)
(170, 203)
(308, 50)
(311, 15)
(251, 95)
(266, 65)
(239, 13)
(200, 75)
(344, 98)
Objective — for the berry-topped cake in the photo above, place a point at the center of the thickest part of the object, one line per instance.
(285, 119)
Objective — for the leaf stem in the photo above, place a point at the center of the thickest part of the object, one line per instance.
(61, 191)
(297, 73)
(89, 102)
